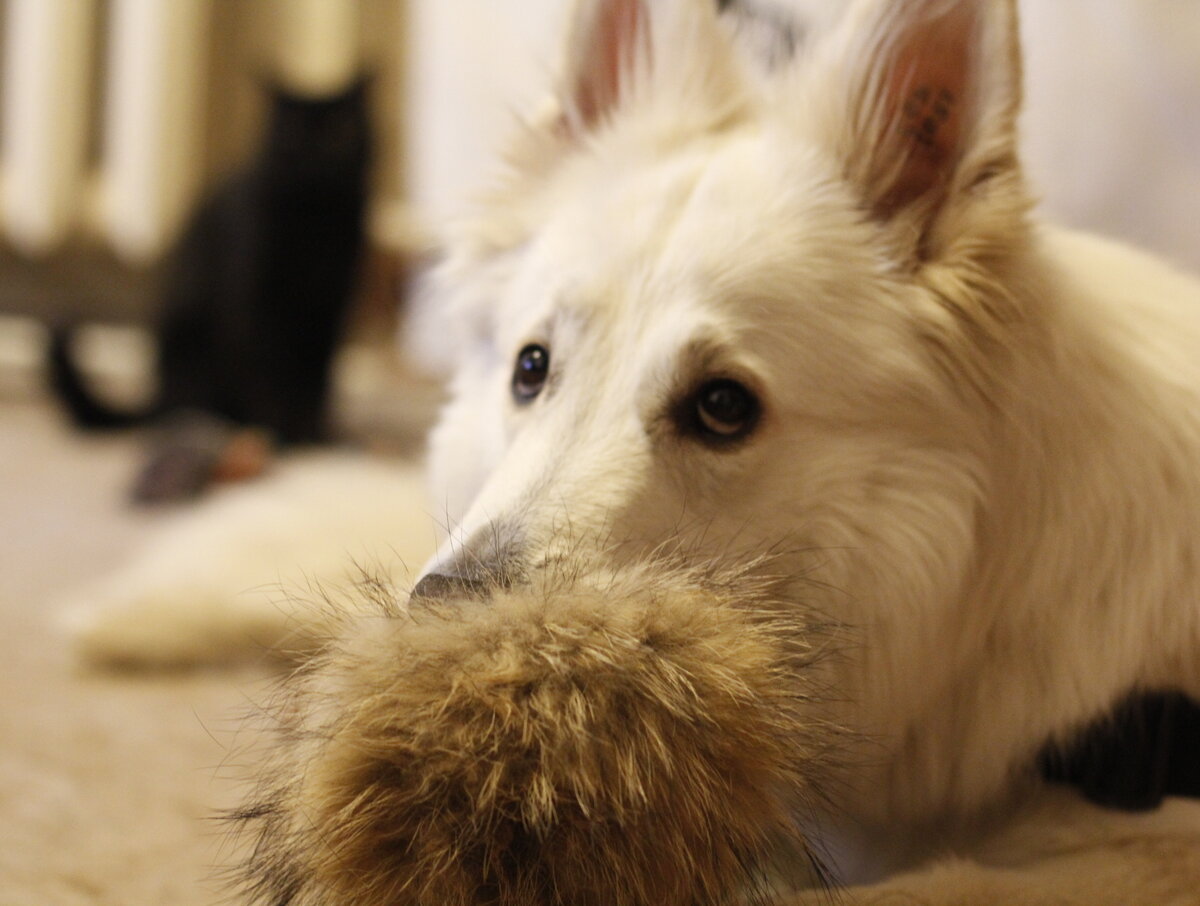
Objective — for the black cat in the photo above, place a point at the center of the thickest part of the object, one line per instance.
(259, 286)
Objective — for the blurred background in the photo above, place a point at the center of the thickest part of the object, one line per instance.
(116, 116)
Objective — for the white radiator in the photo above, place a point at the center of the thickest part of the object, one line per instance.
(147, 107)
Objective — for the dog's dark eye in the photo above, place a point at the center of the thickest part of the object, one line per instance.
(529, 375)
(725, 410)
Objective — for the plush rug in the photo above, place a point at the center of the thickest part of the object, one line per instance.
(109, 785)
(112, 784)
(1060, 852)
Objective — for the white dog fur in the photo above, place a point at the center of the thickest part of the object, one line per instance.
(979, 435)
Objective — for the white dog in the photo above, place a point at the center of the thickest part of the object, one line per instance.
(802, 309)
(809, 309)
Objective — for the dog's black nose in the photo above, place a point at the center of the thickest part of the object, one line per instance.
(482, 565)
(439, 586)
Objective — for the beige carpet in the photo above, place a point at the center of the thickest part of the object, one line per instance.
(112, 787)
(109, 786)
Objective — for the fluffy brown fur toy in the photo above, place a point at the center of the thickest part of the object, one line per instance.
(625, 740)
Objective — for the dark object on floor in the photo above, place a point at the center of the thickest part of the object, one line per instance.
(261, 282)
(193, 450)
(1148, 749)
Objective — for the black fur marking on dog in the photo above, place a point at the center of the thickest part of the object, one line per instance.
(1148, 749)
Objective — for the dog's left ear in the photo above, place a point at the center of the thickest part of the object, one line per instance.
(922, 98)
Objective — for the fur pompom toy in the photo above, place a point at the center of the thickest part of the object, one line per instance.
(641, 739)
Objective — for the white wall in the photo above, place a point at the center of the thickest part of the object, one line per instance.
(474, 65)
(1112, 123)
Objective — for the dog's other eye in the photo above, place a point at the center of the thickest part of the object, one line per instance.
(529, 375)
(725, 410)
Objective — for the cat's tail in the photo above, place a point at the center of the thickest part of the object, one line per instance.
(86, 409)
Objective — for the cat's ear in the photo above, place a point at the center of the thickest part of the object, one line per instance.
(274, 88)
(608, 50)
(267, 82)
(362, 84)
(920, 99)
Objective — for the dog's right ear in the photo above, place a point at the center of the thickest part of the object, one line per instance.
(665, 68)
(608, 51)
(622, 54)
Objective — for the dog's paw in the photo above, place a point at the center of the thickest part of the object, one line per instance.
(252, 571)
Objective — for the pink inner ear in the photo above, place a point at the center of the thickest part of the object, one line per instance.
(610, 47)
(928, 94)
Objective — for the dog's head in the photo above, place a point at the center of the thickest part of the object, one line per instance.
(737, 308)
